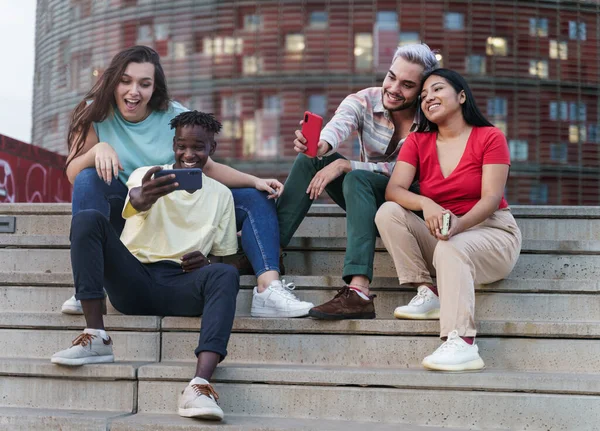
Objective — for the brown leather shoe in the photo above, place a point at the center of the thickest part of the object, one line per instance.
(347, 304)
(243, 265)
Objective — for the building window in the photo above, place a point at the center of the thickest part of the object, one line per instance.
(249, 138)
(560, 110)
(496, 107)
(577, 134)
(294, 43)
(317, 104)
(475, 64)
(408, 38)
(252, 22)
(496, 46)
(231, 129)
(144, 34)
(559, 50)
(577, 111)
(272, 103)
(318, 19)
(519, 150)
(539, 194)
(231, 107)
(363, 51)
(161, 31)
(538, 27)
(538, 68)
(558, 153)
(251, 65)
(387, 18)
(222, 45)
(454, 21)
(180, 50)
(577, 30)
(592, 134)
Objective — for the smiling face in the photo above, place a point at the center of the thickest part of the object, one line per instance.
(400, 87)
(134, 91)
(192, 146)
(440, 101)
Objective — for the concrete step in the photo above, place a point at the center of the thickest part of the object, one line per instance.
(38, 419)
(29, 419)
(550, 354)
(118, 322)
(488, 380)
(437, 407)
(50, 267)
(61, 393)
(553, 228)
(31, 306)
(42, 344)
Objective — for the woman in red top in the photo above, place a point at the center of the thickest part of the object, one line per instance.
(461, 161)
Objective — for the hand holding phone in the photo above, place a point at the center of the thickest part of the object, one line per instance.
(311, 129)
(445, 224)
(187, 179)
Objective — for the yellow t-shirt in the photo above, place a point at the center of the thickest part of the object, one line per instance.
(181, 222)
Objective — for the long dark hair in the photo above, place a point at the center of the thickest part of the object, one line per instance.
(470, 111)
(102, 95)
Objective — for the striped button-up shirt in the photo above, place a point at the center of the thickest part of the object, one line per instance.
(364, 112)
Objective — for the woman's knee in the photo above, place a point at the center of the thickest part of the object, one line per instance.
(390, 212)
(86, 179)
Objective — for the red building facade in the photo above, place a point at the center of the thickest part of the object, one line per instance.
(533, 65)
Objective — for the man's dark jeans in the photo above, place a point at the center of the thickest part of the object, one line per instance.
(100, 260)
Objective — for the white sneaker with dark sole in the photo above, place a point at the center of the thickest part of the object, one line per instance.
(426, 305)
(71, 306)
(455, 355)
(278, 301)
(88, 348)
(199, 400)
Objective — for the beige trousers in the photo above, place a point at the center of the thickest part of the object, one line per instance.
(482, 254)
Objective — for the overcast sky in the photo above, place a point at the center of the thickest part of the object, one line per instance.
(17, 35)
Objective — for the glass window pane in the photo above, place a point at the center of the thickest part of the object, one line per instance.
(294, 43)
(454, 21)
(318, 19)
(408, 38)
(363, 51)
(496, 46)
(317, 104)
(387, 17)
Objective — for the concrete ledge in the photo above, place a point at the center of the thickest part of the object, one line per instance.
(172, 422)
(451, 408)
(391, 326)
(33, 419)
(44, 368)
(407, 378)
(395, 351)
(114, 322)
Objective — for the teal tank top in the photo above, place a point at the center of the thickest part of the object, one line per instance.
(147, 143)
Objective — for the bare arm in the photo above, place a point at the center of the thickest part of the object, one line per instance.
(228, 176)
(87, 157)
(233, 178)
(397, 188)
(95, 154)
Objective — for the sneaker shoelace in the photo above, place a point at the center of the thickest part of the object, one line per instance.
(286, 290)
(421, 297)
(453, 342)
(84, 339)
(206, 390)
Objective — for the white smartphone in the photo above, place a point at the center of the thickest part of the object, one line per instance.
(445, 224)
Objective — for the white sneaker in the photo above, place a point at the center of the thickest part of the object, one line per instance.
(278, 301)
(72, 306)
(88, 348)
(455, 355)
(199, 400)
(426, 305)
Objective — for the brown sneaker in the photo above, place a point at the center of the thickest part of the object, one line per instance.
(347, 304)
(243, 265)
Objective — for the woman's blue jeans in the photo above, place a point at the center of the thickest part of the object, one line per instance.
(255, 215)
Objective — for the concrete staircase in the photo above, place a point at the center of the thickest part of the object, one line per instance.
(539, 334)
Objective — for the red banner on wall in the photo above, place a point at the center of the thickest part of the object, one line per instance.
(31, 174)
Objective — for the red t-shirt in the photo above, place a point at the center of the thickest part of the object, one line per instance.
(461, 190)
